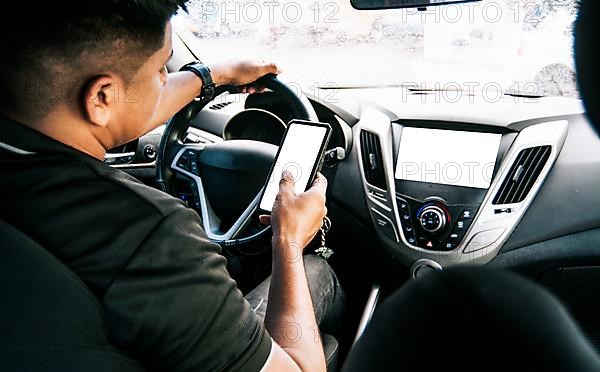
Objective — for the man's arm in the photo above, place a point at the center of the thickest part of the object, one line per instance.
(290, 317)
(183, 87)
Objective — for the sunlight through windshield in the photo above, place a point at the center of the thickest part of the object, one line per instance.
(518, 46)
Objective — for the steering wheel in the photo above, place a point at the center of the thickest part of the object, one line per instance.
(224, 175)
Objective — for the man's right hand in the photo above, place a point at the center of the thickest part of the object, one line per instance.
(296, 219)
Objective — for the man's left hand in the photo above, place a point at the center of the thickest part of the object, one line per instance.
(242, 73)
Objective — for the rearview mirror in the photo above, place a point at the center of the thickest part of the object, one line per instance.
(392, 4)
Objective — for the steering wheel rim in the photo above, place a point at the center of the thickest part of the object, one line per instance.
(172, 147)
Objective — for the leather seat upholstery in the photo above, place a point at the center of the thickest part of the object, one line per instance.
(49, 320)
(472, 319)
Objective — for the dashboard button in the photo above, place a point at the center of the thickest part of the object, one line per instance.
(431, 244)
(450, 245)
(483, 239)
(462, 225)
(467, 214)
(454, 237)
(403, 205)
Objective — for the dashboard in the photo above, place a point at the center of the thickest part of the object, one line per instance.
(451, 195)
(437, 182)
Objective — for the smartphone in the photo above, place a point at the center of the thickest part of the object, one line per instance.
(301, 153)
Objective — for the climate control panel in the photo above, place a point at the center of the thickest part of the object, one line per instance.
(432, 224)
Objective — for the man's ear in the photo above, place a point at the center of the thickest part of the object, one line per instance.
(99, 99)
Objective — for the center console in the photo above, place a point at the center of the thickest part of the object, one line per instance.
(451, 193)
(441, 178)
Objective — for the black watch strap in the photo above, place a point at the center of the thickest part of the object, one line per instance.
(203, 72)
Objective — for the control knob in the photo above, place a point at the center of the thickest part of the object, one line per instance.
(432, 218)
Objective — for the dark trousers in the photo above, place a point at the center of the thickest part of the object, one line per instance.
(325, 290)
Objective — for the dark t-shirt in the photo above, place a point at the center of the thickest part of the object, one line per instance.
(167, 297)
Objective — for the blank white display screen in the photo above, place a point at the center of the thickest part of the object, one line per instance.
(448, 157)
(298, 155)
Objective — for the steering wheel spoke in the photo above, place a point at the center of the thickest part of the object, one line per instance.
(186, 163)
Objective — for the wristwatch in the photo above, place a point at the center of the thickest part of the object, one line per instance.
(203, 72)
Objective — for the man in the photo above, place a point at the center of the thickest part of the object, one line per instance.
(68, 71)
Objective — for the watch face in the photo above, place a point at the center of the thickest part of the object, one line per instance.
(208, 91)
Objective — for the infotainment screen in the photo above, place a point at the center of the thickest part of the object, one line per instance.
(448, 157)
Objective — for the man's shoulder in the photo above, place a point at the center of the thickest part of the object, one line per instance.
(129, 186)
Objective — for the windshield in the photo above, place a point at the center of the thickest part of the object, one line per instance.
(513, 46)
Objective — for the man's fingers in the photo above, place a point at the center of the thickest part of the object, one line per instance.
(319, 184)
(255, 88)
(271, 68)
(286, 184)
(251, 89)
(265, 219)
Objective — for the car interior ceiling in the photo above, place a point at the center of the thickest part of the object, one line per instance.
(554, 241)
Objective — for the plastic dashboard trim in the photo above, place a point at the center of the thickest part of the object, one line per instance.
(551, 133)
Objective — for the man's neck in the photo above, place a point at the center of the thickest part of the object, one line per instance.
(69, 130)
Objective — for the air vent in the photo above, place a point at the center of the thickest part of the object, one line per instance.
(372, 160)
(523, 174)
(218, 106)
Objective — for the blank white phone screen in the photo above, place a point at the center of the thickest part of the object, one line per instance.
(298, 155)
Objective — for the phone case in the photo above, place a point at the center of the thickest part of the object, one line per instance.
(320, 158)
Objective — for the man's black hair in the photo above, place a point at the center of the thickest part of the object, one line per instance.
(50, 49)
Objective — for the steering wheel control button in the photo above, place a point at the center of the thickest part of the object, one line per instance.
(483, 239)
(194, 167)
(432, 219)
(182, 163)
(188, 161)
(385, 225)
(150, 152)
